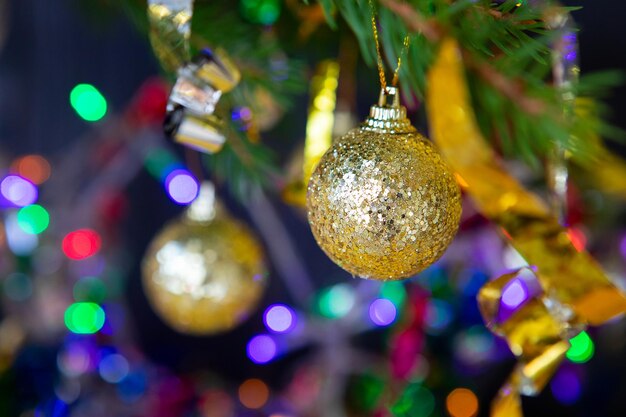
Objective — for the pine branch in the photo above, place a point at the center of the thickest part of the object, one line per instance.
(512, 89)
(506, 50)
(414, 20)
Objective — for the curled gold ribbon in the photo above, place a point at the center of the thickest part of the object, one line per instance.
(170, 29)
(573, 283)
(319, 128)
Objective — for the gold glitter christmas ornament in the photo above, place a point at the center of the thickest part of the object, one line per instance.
(382, 203)
(204, 273)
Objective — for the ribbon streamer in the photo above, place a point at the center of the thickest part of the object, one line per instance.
(574, 286)
(200, 82)
(319, 128)
(170, 29)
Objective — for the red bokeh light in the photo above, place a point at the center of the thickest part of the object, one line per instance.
(149, 103)
(578, 238)
(81, 244)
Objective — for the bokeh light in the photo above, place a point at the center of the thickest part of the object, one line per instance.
(216, 402)
(337, 301)
(18, 286)
(81, 244)
(113, 368)
(474, 346)
(74, 360)
(20, 242)
(131, 388)
(279, 318)
(182, 186)
(415, 401)
(88, 102)
(364, 392)
(33, 219)
(265, 12)
(68, 389)
(514, 294)
(582, 348)
(395, 292)
(438, 316)
(254, 393)
(462, 403)
(622, 246)
(382, 312)
(261, 349)
(160, 162)
(90, 289)
(84, 318)
(53, 407)
(18, 191)
(566, 386)
(34, 168)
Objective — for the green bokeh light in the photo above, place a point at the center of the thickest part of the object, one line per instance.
(395, 292)
(33, 219)
(364, 392)
(582, 348)
(265, 12)
(160, 162)
(337, 301)
(88, 102)
(18, 286)
(415, 401)
(90, 289)
(84, 318)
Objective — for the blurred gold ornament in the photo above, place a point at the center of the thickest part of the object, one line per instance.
(382, 203)
(204, 273)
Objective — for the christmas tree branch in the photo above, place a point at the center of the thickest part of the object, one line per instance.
(506, 49)
(414, 20)
(512, 89)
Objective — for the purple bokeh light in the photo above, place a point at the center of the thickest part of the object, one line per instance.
(113, 368)
(438, 316)
(182, 186)
(566, 386)
(18, 191)
(622, 246)
(382, 312)
(279, 318)
(261, 349)
(514, 294)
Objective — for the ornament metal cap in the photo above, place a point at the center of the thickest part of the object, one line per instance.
(203, 133)
(388, 116)
(205, 206)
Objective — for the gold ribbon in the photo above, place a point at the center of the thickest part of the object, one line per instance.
(319, 128)
(170, 29)
(571, 279)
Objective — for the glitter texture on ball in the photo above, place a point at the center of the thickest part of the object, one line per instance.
(382, 203)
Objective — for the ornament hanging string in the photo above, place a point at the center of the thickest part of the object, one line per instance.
(402, 224)
(379, 57)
